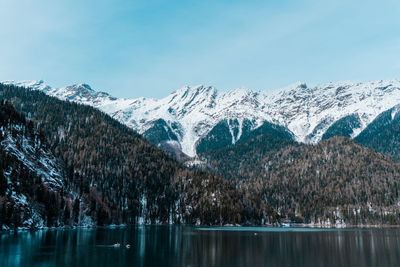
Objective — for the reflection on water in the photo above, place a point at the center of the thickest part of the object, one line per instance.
(190, 246)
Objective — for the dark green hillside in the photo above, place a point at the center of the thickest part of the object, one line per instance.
(218, 137)
(160, 131)
(276, 132)
(248, 152)
(343, 127)
(383, 134)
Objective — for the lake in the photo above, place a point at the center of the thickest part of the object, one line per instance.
(202, 246)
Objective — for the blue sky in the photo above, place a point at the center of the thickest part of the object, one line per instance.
(150, 48)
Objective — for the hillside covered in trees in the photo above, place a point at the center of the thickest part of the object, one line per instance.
(33, 188)
(383, 133)
(337, 179)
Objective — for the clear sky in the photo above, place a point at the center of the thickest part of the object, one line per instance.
(150, 48)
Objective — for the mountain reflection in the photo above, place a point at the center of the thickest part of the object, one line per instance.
(190, 246)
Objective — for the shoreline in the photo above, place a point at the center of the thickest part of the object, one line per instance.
(291, 226)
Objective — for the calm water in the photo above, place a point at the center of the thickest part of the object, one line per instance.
(193, 246)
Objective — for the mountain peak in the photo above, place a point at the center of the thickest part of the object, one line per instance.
(191, 92)
(35, 84)
(81, 88)
(85, 86)
(242, 90)
(292, 88)
(199, 87)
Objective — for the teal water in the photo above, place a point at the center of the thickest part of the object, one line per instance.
(202, 246)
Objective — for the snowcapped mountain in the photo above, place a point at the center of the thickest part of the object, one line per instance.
(187, 115)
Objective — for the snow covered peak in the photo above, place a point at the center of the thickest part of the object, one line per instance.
(37, 85)
(78, 92)
(81, 93)
(290, 89)
(85, 86)
(189, 93)
(240, 92)
(81, 88)
(192, 111)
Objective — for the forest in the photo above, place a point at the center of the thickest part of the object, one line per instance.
(337, 179)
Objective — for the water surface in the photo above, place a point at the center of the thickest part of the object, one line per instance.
(202, 246)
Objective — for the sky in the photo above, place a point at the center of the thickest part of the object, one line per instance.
(150, 48)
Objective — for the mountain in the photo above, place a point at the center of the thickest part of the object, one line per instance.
(121, 176)
(192, 118)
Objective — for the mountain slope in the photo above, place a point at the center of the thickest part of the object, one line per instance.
(336, 180)
(383, 133)
(343, 127)
(190, 113)
(34, 191)
(245, 159)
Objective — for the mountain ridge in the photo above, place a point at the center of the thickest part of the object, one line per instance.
(191, 112)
